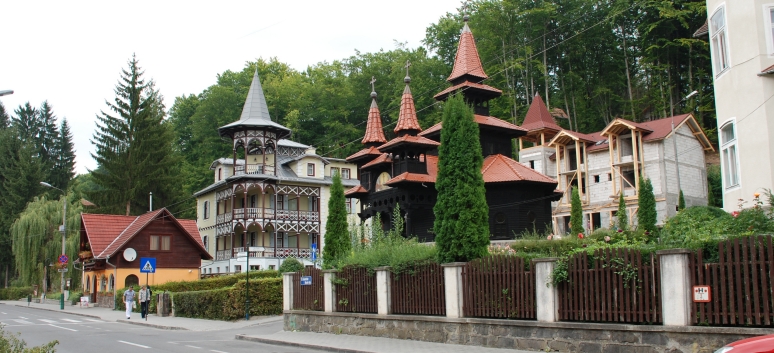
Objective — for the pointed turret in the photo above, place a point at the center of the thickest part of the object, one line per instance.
(255, 114)
(467, 63)
(538, 117)
(407, 119)
(374, 135)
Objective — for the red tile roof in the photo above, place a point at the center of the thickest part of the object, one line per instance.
(370, 151)
(374, 133)
(469, 85)
(384, 158)
(654, 130)
(702, 31)
(538, 117)
(498, 168)
(489, 121)
(411, 177)
(102, 229)
(407, 119)
(356, 190)
(467, 61)
(408, 140)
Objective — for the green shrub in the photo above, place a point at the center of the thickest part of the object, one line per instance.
(75, 297)
(205, 304)
(646, 215)
(695, 226)
(623, 220)
(576, 213)
(229, 303)
(10, 343)
(15, 293)
(390, 250)
(291, 265)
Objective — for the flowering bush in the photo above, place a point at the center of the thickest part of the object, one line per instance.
(501, 250)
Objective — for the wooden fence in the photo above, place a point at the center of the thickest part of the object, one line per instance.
(418, 290)
(308, 297)
(741, 283)
(356, 290)
(498, 287)
(617, 287)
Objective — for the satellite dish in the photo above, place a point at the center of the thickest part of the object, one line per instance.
(130, 254)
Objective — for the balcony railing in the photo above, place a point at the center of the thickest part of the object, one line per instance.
(254, 169)
(268, 252)
(269, 213)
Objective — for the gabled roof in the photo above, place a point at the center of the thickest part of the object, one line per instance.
(407, 119)
(408, 140)
(467, 85)
(255, 113)
(565, 137)
(412, 178)
(384, 158)
(653, 130)
(374, 134)
(498, 168)
(619, 125)
(107, 234)
(467, 61)
(538, 117)
(702, 31)
(366, 152)
(357, 190)
(483, 121)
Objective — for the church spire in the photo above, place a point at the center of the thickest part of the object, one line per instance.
(374, 135)
(467, 63)
(407, 119)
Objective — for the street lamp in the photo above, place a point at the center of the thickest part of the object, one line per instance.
(6, 92)
(63, 229)
(674, 145)
(247, 278)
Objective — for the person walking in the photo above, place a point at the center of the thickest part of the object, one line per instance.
(129, 301)
(144, 301)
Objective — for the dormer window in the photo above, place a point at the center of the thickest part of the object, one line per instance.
(310, 169)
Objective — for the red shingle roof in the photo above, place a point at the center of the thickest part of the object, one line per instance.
(467, 61)
(468, 85)
(408, 140)
(498, 168)
(370, 151)
(407, 119)
(411, 177)
(384, 158)
(102, 229)
(538, 117)
(374, 133)
(356, 190)
(489, 121)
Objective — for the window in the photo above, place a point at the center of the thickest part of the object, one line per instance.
(218, 269)
(719, 45)
(349, 205)
(770, 29)
(160, 242)
(626, 145)
(255, 267)
(206, 209)
(271, 267)
(237, 268)
(345, 173)
(293, 204)
(253, 201)
(596, 178)
(206, 243)
(253, 239)
(220, 173)
(629, 181)
(334, 171)
(609, 177)
(380, 183)
(532, 164)
(310, 169)
(313, 204)
(729, 155)
(281, 202)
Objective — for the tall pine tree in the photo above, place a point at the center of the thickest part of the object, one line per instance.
(5, 120)
(337, 241)
(646, 200)
(47, 137)
(134, 149)
(64, 160)
(27, 123)
(461, 212)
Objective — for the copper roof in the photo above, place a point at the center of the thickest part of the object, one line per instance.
(469, 85)
(488, 121)
(498, 168)
(467, 61)
(407, 120)
(408, 140)
(373, 132)
(370, 151)
(538, 117)
(384, 158)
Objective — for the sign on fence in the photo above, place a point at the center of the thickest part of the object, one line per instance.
(701, 294)
(306, 280)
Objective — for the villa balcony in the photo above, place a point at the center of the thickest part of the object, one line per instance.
(269, 252)
(254, 169)
(268, 213)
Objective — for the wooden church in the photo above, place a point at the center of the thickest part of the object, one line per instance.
(402, 171)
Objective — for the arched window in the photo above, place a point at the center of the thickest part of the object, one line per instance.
(380, 183)
(112, 283)
(88, 282)
(131, 280)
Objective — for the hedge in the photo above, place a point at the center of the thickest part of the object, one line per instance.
(229, 303)
(15, 293)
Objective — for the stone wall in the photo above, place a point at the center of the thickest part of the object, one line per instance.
(105, 301)
(527, 335)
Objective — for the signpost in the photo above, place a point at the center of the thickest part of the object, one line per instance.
(306, 280)
(147, 265)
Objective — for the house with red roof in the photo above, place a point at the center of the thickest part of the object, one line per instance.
(111, 247)
(402, 172)
(602, 165)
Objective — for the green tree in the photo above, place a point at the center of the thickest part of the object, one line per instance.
(461, 212)
(715, 186)
(47, 139)
(64, 159)
(337, 241)
(623, 220)
(134, 147)
(681, 201)
(646, 200)
(576, 213)
(291, 265)
(5, 120)
(27, 123)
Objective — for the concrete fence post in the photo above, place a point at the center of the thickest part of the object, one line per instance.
(547, 294)
(383, 290)
(287, 291)
(675, 287)
(329, 290)
(452, 277)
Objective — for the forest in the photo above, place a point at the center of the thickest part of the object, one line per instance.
(590, 60)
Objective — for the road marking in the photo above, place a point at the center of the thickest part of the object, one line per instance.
(5, 314)
(193, 347)
(134, 344)
(212, 350)
(63, 328)
(47, 321)
(71, 320)
(93, 320)
(22, 317)
(23, 322)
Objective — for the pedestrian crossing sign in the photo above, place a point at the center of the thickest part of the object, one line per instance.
(147, 265)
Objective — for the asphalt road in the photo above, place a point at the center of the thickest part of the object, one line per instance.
(78, 334)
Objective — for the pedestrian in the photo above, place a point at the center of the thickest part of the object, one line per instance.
(144, 300)
(129, 301)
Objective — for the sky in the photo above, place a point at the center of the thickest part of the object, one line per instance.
(71, 53)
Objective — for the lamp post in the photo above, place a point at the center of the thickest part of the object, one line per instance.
(63, 229)
(247, 277)
(674, 145)
(5, 92)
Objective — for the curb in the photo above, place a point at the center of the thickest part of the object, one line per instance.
(143, 323)
(299, 345)
(61, 312)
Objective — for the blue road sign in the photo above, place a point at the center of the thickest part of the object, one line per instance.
(314, 252)
(147, 265)
(306, 280)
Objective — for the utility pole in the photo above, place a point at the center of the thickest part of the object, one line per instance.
(63, 229)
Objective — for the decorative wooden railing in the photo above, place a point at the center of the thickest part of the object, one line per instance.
(282, 253)
(268, 213)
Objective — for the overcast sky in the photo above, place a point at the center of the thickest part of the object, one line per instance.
(71, 52)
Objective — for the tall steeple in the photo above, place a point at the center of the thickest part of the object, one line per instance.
(255, 114)
(407, 119)
(467, 63)
(374, 135)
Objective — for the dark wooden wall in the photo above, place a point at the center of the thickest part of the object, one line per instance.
(183, 252)
(525, 207)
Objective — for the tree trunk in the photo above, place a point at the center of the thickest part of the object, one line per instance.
(628, 75)
(127, 207)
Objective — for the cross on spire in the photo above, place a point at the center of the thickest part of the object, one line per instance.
(465, 6)
(373, 80)
(408, 64)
